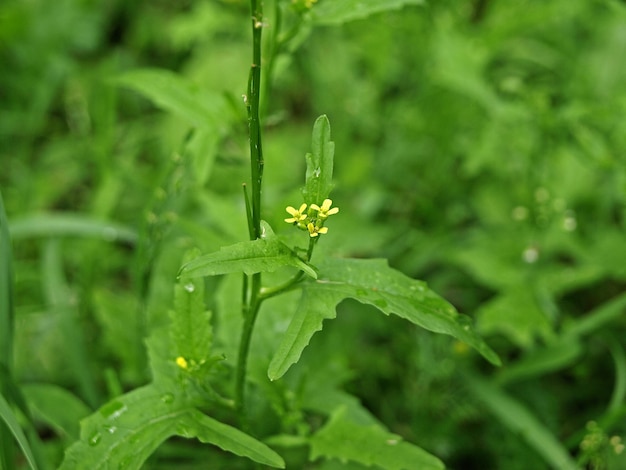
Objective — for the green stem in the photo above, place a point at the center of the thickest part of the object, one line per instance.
(250, 314)
(254, 124)
(251, 290)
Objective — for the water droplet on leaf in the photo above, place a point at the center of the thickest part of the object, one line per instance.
(113, 410)
(110, 429)
(95, 439)
(190, 287)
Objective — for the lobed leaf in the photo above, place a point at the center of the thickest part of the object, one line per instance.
(261, 255)
(228, 438)
(319, 164)
(369, 445)
(342, 11)
(371, 282)
(124, 432)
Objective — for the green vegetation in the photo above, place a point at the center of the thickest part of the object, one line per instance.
(154, 315)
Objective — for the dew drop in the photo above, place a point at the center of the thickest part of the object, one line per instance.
(167, 398)
(110, 429)
(95, 439)
(190, 287)
(316, 172)
(113, 410)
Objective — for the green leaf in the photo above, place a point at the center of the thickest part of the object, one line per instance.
(516, 314)
(228, 438)
(57, 407)
(319, 164)
(371, 282)
(209, 112)
(191, 331)
(553, 357)
(341, 11)
(261, 255)
(369, 445)
(522, 422)
(7, 415)
(6, 292)
(173, 93)
(124, 432)
(70, 225)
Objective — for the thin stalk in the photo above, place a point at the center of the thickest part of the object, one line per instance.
(254, 124)
(250, 315)
(251, 299)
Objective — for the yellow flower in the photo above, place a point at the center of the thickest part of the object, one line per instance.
(325, 210)
(297, 215)
(315, 231)
(181, 362)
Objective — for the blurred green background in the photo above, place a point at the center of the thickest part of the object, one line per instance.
(480, 146)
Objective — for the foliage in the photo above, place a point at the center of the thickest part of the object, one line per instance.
(153, 316)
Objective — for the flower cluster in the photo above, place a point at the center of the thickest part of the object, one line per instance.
(312, 219)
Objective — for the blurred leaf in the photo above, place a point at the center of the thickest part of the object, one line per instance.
(597, 318)
(371, 282)
(515, 314)
(551, 358)
(261, 255)
(319, 164)
(369, 445)
(522, 422)
(7, 415)
(67, 225)
(335, 12)
(57, 407)
(175, 94)
(125, 431)
(6, 292)
(119, 317)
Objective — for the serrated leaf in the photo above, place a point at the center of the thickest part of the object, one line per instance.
(369, 445)
(336, 12)
(228, 438)
(319, 164)
(124, 432)
(371, 282)
(261, 255)
(191, 332)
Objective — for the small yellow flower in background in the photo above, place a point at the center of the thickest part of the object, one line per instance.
(181, 362)
(297, 215)
(325, 210)
(315, 231)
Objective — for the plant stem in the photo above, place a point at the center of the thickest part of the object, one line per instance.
(251, 299)
(254, 125)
